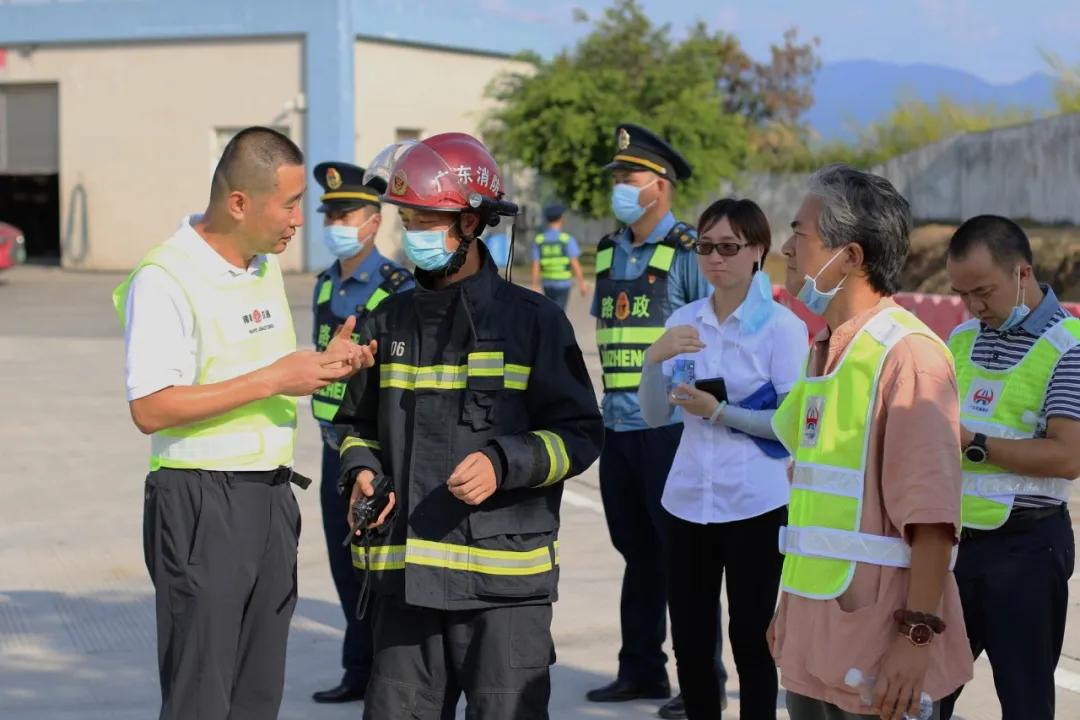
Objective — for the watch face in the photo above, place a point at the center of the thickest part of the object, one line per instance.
(975, 454)
(920, 634)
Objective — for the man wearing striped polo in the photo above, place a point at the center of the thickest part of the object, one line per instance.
(1018, 374)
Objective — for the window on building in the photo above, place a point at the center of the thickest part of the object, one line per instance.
(403, 134)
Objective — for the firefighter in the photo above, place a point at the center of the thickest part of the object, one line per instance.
(359, 279)
(478, 407)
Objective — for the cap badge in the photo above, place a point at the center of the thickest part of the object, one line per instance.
(624, 139)
(333, 179)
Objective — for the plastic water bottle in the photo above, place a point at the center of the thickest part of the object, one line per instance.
(865, 685)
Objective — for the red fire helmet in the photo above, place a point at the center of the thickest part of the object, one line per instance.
(450, 172)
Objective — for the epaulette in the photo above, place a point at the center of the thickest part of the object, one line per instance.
(394, 277)
(681, 235)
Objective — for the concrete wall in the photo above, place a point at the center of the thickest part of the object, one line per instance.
(137, 132)
(1029, 171)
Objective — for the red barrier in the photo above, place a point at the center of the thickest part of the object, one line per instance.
(941, 312)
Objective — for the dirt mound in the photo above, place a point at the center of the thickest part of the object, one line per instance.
(1056, 250)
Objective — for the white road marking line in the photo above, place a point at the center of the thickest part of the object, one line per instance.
(1068, 680)
(578, 500)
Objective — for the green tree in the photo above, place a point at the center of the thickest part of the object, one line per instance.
(702, 93)
(909, 125)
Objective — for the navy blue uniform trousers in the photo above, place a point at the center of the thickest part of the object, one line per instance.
(634, 466)
(1014, 587)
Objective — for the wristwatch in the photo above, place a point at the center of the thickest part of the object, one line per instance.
(919, 628)
(919, 634)
(976, 451)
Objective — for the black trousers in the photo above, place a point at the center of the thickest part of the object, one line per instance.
(356, 647)
(634, 466)
(221, 552)
(698, 556)
(425, 659)
(1014, 587)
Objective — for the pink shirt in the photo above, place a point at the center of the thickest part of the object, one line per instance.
(912, 477)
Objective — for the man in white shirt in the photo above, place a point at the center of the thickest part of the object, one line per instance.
(212, 376)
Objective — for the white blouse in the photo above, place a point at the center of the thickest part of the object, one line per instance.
(719, 475)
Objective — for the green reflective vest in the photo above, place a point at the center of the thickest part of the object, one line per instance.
(554, 260)
(239, 327)
(632, 314)
(825, 424)
(326, 401)
(1006, 404)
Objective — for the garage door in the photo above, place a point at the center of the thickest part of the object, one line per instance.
(29, 130)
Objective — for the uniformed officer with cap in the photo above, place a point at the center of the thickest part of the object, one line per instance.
(355, 284)
(644, 271)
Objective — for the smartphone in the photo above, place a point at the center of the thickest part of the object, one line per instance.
(681, 374)
(714, 386)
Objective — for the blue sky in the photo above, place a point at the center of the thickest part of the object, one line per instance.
(998, 40)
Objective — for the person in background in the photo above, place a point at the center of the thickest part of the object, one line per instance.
(874, 516)
(1018, 367)
(726, 495)
(555, 259)
(355, 284)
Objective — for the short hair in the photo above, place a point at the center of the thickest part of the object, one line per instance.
(251, 160)
(1007, 242)
(864, 209)
(745, 217)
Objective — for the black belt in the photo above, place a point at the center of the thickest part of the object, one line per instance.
(1020, 520)
(279, 476)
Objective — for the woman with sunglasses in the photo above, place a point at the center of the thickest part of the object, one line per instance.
(727, 493)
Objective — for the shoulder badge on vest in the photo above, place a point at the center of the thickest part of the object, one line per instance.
(393, 277)
(681, 236)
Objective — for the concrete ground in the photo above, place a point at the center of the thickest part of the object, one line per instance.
(76, 611)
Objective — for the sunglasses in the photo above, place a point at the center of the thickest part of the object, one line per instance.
(726, 249)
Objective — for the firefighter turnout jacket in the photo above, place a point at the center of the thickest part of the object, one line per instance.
(481, 365)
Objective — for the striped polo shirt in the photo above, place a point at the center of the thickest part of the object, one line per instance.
(1001, 351)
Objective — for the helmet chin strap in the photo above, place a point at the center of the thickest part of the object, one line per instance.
(459, 256)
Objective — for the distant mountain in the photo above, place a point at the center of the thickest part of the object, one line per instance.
(864, 90)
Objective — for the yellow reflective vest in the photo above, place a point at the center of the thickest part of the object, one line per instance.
(825, 424)
(239, 327)
(554, 259)
(1006, 404)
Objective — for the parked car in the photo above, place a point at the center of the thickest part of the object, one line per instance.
(12, 246)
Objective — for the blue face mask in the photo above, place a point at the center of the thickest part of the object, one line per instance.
(758, 305)
(625, 202)
(343, 241)
(817, 301)
(1019, 311)
(427, 248)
